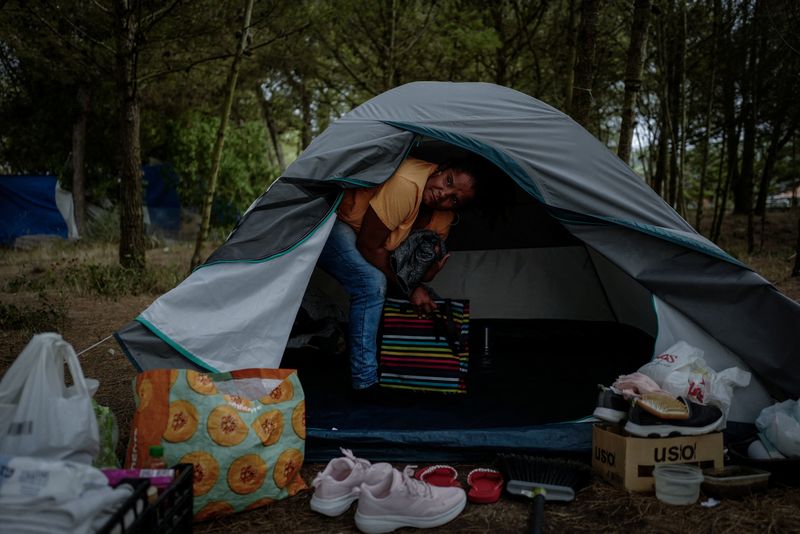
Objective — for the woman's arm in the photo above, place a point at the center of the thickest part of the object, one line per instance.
(371, 243)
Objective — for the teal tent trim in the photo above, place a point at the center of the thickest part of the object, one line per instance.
(497, 157)
(352, 181)
(655, 231)
(166, 339)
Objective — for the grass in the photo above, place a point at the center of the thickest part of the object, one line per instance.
(89, 266)
(97, 279)
(774, 253)
(48, 312)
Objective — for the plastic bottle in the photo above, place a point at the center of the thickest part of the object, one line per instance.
(156, 460)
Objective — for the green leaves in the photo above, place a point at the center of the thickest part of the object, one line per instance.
(245, 171)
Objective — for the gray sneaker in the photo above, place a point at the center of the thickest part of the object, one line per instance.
(703, 419)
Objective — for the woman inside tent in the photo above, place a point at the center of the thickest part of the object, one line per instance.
(372, 222)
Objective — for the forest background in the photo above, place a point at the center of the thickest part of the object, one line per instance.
(698, 96)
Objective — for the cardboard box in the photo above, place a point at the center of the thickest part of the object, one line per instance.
(628, 462)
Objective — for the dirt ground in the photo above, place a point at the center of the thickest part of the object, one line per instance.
(90, 319)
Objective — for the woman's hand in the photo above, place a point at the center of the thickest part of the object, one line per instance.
(422, 301)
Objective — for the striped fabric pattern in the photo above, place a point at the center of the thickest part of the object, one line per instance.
(414, 352)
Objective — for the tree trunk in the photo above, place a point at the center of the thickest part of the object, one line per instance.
(766, 175)
(744, 191)
(719, 199)
(726, 191)
(681, 112)
(701, 186)
(501, 57)
(778, 140)
(729, 98)
(216, 155)
(274, 134)
(633, 75)
(743, 188)
(673, 71)
(131, 240)
(667, 161)
(305, 110)
(584, 66)
(572, 39)
(701, 194)
(79, 159)
(661, 159)
(389, 52)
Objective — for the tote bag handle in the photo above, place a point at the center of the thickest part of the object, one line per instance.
(444, 321)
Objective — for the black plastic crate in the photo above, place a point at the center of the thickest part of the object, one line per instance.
(171, 513)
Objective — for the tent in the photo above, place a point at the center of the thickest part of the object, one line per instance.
(162, 203)
(587, 276)
(35, 205)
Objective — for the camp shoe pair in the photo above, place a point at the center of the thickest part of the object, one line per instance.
(611, 407)
(699, 419)
(400, 500)
(337, 486)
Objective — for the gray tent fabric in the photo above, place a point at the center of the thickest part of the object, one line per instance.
(584, 203)
(737, 306)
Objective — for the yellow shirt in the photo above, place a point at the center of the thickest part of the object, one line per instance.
(396, 202)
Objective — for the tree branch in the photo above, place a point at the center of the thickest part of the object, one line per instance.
(340, 60)
(155, 17)
(416, 36)
(69, 44)
(189, 66)
(101, 7)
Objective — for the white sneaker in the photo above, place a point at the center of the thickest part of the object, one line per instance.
(400, 500)
(336, 487)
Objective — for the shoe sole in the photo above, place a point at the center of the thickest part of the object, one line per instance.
(388, 523)
(332, 507)
(666, 431)
(610, 416)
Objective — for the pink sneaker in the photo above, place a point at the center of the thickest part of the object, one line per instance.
(400, 500)
(336, 487)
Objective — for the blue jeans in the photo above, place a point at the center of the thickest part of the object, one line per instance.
(366, 285)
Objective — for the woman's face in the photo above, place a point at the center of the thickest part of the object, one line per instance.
(448, 189)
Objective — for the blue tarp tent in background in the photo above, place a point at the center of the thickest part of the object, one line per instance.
(34, 205)
(161, 198)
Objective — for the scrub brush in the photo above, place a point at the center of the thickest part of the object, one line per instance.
(663, 406)
(543, 479)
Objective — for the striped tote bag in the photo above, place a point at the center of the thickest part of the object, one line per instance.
(424, 353)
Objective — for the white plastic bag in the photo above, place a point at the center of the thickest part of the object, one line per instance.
(39, 415)
(679, 356)
(32, 482)
(682, 371)
(780, 423)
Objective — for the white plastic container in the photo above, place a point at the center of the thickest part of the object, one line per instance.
(678, 484)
